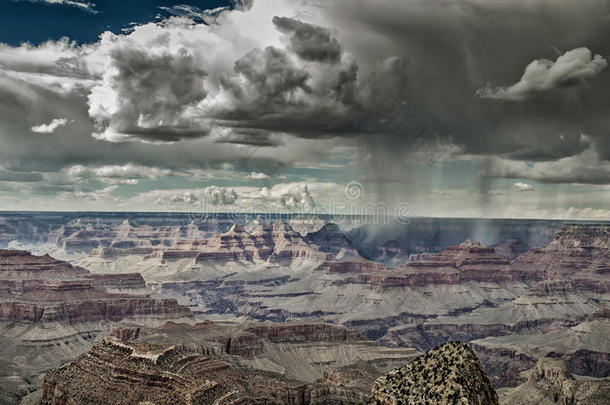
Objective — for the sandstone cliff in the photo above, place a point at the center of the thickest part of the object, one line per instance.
(579, 253)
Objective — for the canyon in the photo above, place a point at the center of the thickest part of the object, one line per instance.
(315, 304)
(466, 292)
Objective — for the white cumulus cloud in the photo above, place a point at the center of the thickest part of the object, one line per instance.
(215, 195)
(519, 186)
(50, 127)
(584, 168)
(116, 174)
(257, 176)
(291, 196)
(573, 68)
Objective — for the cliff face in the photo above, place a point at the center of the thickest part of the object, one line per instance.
(83, 236)
(328, 250)
(584, 348)
(469, 261)
(330, 239)
(21, 265)
(565, 283)
(579, 253)
(466, 262)
(448, 374)
(42, 289)
(277, 242)
(129, 373)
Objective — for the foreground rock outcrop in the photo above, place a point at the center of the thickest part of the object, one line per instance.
(117, 372)
(123, 371)
(448, 374)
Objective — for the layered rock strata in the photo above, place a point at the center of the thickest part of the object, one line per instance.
(302, 351)
(128, 373)
(579, 253)
(584, 348)
(42, 289)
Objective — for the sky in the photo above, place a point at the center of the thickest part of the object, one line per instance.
(452, 108)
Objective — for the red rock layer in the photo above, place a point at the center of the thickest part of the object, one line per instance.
(579, 253)
(21, 265)
(353, 266)
(42, 289)
(466, 262)
(84, 237)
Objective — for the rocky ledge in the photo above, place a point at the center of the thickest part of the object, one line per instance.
(301, 351)
(469, 261)
(121, 372)
(448, 374)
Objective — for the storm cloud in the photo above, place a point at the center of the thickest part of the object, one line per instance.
(519, 88)
(147, 95)
(419, 70)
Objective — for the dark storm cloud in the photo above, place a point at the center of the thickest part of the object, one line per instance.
(456, 48)
(269, 78)
(150, 94)
(313, 89)
(250, 137)
(436, 57)
(308, 41)
(293, 90)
